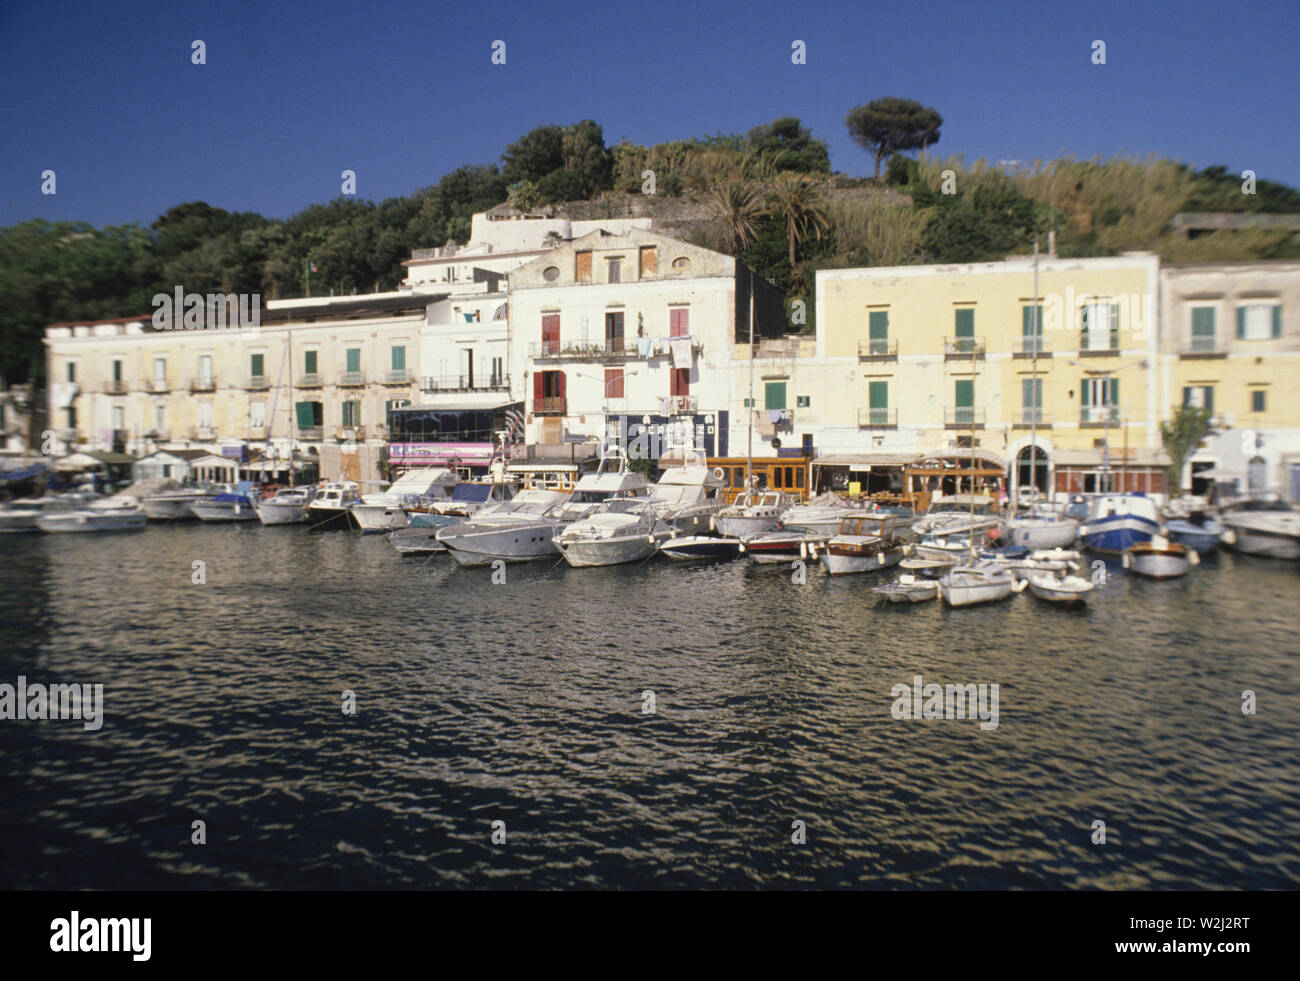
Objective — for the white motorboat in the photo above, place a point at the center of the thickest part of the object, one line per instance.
(472, 496)
(518, 530)
(331, 508)
(957, 514)
(21, 514)
(174, 504)
(1160, 559)
(688, 497)
(111, 514)
(287, 507)
(610, 479)
(420, 537)
(908, 589)
(618, 531)
(864, 543)
(1116, 522)
(776, 547)
(1041, 528)
(701, 547)
(234, 505)
(1064, 590)
(966, 585)
(1197, 529)
(820, 516)
(420, 488)
(751, 513)
(948, 551)
(1268, 528)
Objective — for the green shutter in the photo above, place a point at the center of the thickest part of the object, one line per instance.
(399, 359)
(1241, 323)
(878, 325)
(1277, 320)
(878, 395)
(1203, 322)
(1031, 393)
(305, 416)
(309, 362)
(774, 395)
(964, 322)
(1114, 326)
(1085, 393)
(965, 393)
(256, 366)
(354, 359)
(1114, 391)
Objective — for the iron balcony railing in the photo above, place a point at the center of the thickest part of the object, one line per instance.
(159, 385)
(1098, 415)
(352, 379)
(1031, 416)
(465, 383)
(877, 348)
(877, 418)
(1030, 345)
(963, 347)
(957, 416)
(202, 384)
(256, 382)
(551, 406)
(311, 433)
(311, 379)
(115, 386)
(625, 347)
(1202, 345)
(398, 376)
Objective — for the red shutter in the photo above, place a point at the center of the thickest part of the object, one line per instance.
(539, 391)
(559, 385)
(551, 333)
(680, 381)
(614, 383)
(679, 322)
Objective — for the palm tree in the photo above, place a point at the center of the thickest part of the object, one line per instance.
(737, 206)
(796, 201)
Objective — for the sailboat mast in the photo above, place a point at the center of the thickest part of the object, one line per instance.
(1033, 388)
(293, 420)
(971, 482)
(749, 457)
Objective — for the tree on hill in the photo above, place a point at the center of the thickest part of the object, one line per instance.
(738, 207)
(785, 144)
(534, 155)
(885, 126)
(796, 202)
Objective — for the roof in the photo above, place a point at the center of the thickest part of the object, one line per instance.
(458, 407)
(104, 456)
(962, 458)
(850, 459)
(330, 308)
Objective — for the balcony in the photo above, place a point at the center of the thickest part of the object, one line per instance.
(309, 380)
(115, 387)
(1031, 347)
(160, 385)
(203, 432)
(678, 405)
(354, 433)
(1099, 415)
(963, 347)
(550, 406)
(878, 418)
(352, 379)
(465, 383)
(1099, 345)
(608, 349)
(256, 383)
(963, 417)
(208, 384)
(312, 434)
(398, 376)
(877, 349)
(1202, 347)
(1031, 416)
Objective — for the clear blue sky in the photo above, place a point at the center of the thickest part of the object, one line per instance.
(294, 93)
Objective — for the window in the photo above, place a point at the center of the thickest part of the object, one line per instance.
(352, 413)
(614, 383)
(1031, 399)
(878, 331)
(119, 418)
(681, 265)
(649, 260)
(160, 369)
(71, 416)
(160, 417)
(1202, 328)
(551, 273)
(498, 371)
(878, 403)
(1259, 321)
(309, 415)
(749, 403)
(1031, 328)
(72, 371)
(1259, 400)
(309, 362)
(389, 406)
(964, 398)
(550, 333)
(1099, 324)
(679, 321)
(964, 322)
(802, 401)
(614, 331)
(257, 414)
(1100, 399)
(615, 271)
(205, 367)
(1199, 396)
(256, 364)
(582, 267)
(679, 381)
(205, 415)
(117, 371)
(353, 360)
(774, 395)
(398, 356)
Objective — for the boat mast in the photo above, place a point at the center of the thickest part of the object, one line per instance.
(749, 458)
(1033, 389)
(971, 482)
(293, 421)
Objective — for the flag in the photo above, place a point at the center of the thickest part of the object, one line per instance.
(514, 425)
(313, 268)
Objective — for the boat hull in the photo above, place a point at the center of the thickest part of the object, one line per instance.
(329, 519)
(1204, 541)
(512, 543)
(1158, 564)
(173, 509)
(701, 547)
(1054, 592)
(1252, 540)
(1118, 533)
(82, 522)
(918, 592)
(743, 526)
(374, 518)
(609, 551)
(1042, 534)
(19, 520)
(270, 513)
(213, 511)
(841, 562)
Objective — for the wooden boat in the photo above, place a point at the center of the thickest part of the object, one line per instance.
(1160, 559)
(1064, 590)
(865, 543)
(773, 547)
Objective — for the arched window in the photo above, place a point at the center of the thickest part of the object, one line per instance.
(1031, 468)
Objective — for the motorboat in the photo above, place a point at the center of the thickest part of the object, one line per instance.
(620, 530)
(174, 504)
(1062, 590)
(688, 497)
(701, 547)
(470, 497)
(233, 505)
(1117, 522)
(946, 551)
(1041, 528)
(751, 513)
(966, 585)
(1198, 530)
(107, 514)
(518, 530)
(331, 508)
(420, 537)
(418, 489)
(21, 514)
(957, 514)
(908, 589)
(772, 547)
(612, 478)
(820, 516)
(864, 543)
(288, 506)
(1268, 528)
(1159, 559)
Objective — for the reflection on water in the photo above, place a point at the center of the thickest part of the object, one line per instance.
(523, 703)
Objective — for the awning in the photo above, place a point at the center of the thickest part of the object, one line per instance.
(864, 461)
(76, 461)
(35, 470)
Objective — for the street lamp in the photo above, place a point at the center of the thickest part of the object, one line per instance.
(1107, 374)
(607, 382)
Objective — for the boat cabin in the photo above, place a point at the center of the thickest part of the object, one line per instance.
(788, 474)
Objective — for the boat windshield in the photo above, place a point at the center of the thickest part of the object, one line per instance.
(675, 493)
(471, 493)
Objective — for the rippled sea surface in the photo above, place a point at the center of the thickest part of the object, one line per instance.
(523, 703)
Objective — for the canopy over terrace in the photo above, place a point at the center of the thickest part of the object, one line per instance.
(957, 471)
(875, 475)
(1142, 469)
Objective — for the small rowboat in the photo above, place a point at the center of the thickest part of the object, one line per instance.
(1160, 559)
(1067, 591)
(908, 589)
(774, 547)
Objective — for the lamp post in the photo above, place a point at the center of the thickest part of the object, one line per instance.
(607, 382)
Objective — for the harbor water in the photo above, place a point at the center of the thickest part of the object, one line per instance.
(660, 725)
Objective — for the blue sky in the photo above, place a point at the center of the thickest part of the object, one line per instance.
(292, 94)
